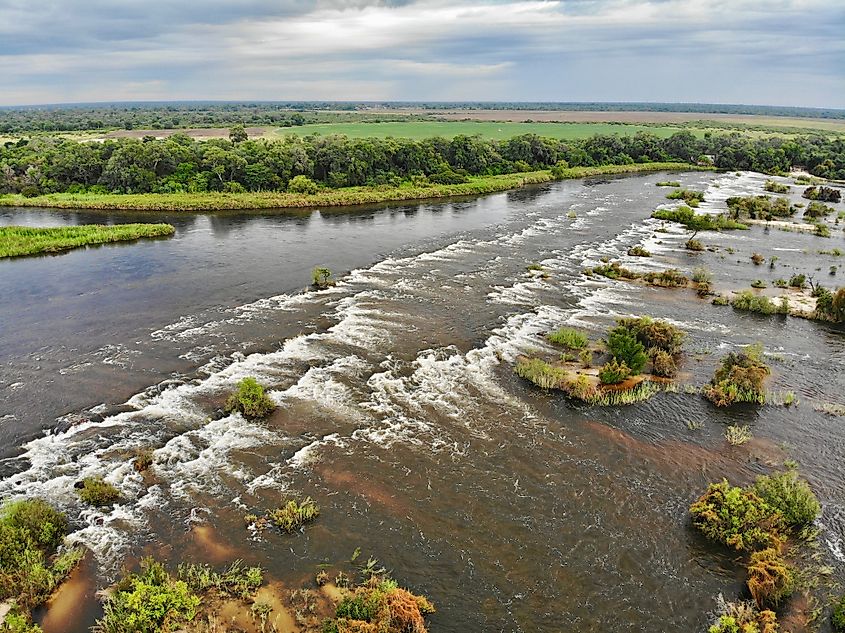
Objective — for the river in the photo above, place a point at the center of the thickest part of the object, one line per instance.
(399, 414)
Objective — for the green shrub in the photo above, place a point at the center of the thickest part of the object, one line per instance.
(790, 496)
(739, 378)
(638, 251)
(321, 278)
(250, 400)
(302, 184)
(721, 300)
(626, 349)
(776, 187)
(294, 515)
(694, 245)
(671, 278)
(758, 283)
(29, 530)
(95, 491)
(779, 283)
(654, 333)
(614, 270)
(798, 281)
(668, 183)
(737, 518)
(770, 578)
(831, 306)
(697, 221)
(148, 602)
(701, 275)
(613, 372)
(585, 357)
(748, 301)
(838, 617)
(692, 198)
(568, 337)
(663, 363)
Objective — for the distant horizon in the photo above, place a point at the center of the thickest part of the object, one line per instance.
(420, 102)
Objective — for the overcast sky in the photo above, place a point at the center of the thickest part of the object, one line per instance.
(779, 52)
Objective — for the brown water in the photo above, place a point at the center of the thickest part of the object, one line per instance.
(514, 510)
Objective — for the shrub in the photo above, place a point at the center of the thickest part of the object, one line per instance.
(29, 530)
(790, 496)
(585, 357)
(737, 518)
(654, 333)
(694, 245)
(739, 378)
(613, 372)
(780, 283)
(692, 198)
(663, 363)
(697, 221)
(96, 491)
(321, 278)
(776, 187)
(250, 400)
(540, 373)
(614, 270)
(148, 602)
(825, 194)
(668, 183)
(743, 617)
(580, 388)
(817, 210)
(721, 300)
(302, 184)
(671, 278)
(759, 207)
(143, 460)
(638, 251)
(831, 306)
(737, 435)
(758, 283)
(748, 301)
(798, 281)
(701, 275)
(770, 579)
(757, 258)
(293, 515)
(838, 617)
(625, 349)
(568, 337)
(379, 605)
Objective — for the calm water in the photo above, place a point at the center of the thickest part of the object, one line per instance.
(514, 510)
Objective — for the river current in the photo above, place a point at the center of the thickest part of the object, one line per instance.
(398, 412)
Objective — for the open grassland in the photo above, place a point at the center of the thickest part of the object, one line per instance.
(496, 130)
(16, 241)
(347, 196)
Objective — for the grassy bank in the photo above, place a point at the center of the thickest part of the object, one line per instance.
(16, 241)
(327, 198)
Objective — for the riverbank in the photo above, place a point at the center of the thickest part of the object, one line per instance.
(348, 196)
(17, 241)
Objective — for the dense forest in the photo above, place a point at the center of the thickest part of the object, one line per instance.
(180, 164)
(153, 115)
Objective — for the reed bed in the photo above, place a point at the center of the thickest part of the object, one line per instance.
(16, 241)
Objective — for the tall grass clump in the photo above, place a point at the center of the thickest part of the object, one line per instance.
(568, 337)
(237, 580)
(540, 373)
(96, 491)
(250, 400)
(293, 515)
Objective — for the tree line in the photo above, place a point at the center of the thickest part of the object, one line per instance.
(181, 164)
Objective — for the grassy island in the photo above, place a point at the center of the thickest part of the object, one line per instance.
(344, 196)
(16, 241)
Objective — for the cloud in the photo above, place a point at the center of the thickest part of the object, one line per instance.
(750, 51)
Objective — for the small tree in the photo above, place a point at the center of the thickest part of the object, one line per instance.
(322, 277)
(237, 134)
(302, 184)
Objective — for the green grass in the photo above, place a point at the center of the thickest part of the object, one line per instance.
(346, 196)
(568, 337)
(496, 130)
(16, 241)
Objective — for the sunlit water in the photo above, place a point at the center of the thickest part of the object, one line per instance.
(513, 509)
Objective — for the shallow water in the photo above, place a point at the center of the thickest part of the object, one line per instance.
(514, 510)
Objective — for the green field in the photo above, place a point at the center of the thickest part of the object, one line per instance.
(498, 130)
(16, 241)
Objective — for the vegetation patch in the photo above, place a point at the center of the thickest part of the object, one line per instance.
(638, 251)
(737, 435)
(789, 495)
(749, 302)
(698, 221)
(568, 337)
(823, 194)
(31, 566)
(838, 617)
(16, 241)
(770, 578)
(668, 183)
(739, 378)
(321, 278)
(288, 518)
(250, 400)
(96, 491)
(237, 580)
(743, 617)
(692, 198)
(380, 605)
(776, 187)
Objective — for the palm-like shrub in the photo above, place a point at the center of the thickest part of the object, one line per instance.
(625, 348)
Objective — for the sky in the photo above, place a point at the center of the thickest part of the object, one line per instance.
(773, 52)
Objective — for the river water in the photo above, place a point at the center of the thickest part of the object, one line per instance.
(399, 414)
